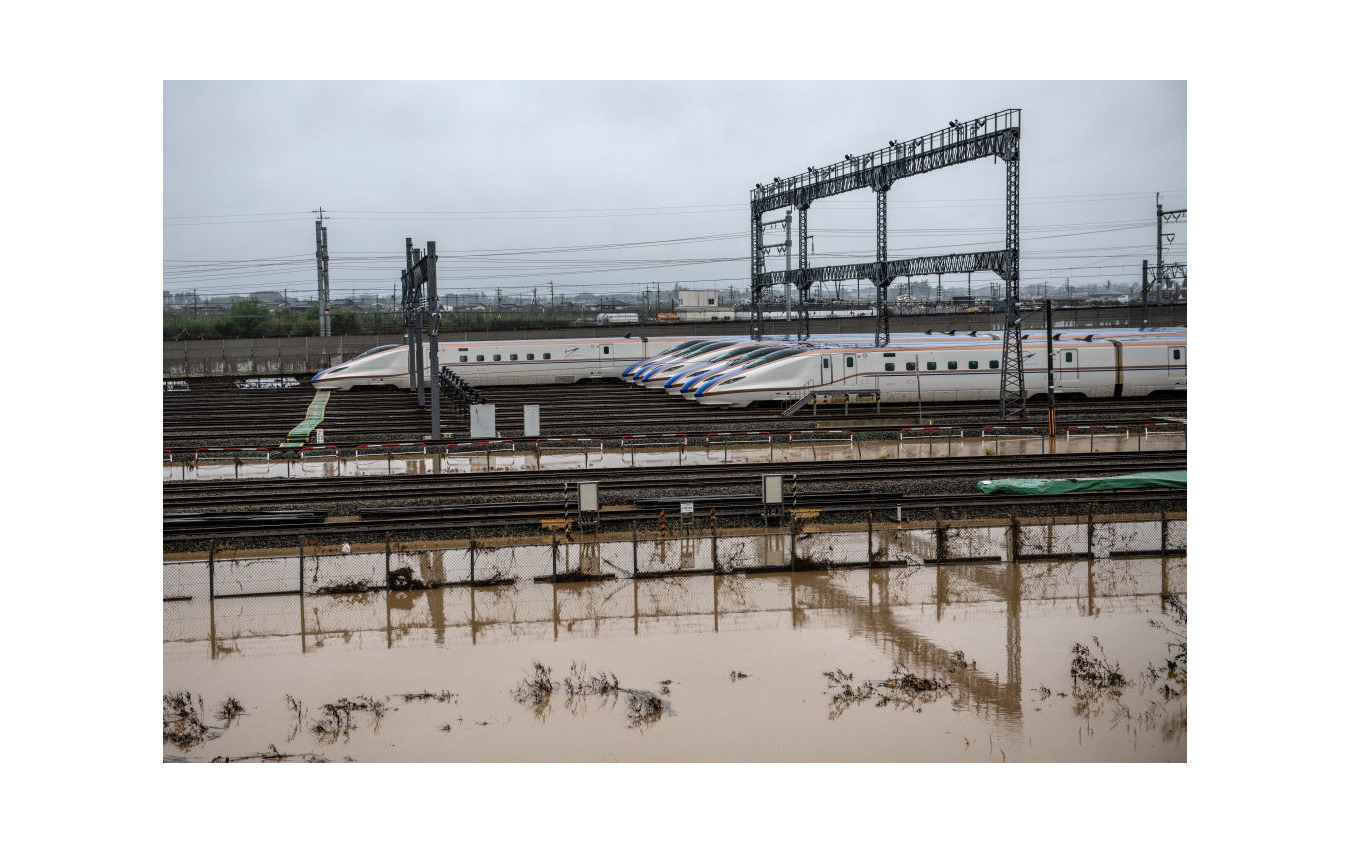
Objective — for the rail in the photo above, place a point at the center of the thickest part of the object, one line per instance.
(485, 446)
(585, 444)
(730, 441)
(1001, 432)
(832, 437)
(410, 448)
(1094, 431)
(929, 433)
(632, 441)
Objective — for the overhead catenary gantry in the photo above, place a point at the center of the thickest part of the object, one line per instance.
(422, 311)
(996, 134)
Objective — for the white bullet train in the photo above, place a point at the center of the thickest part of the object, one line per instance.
(485, 363)
(738, 371)
(1124, 362)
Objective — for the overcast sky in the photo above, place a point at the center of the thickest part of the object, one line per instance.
(523, 183)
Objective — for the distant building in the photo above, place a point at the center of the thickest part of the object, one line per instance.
(702, 306)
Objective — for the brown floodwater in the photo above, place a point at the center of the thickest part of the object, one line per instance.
(739, 663)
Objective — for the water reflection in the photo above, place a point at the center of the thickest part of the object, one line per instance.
(905, 612)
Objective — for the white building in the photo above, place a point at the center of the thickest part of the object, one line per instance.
(702, 306)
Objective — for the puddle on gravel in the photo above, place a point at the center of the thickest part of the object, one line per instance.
(738, 664)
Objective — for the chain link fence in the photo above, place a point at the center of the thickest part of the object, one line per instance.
(569, 556)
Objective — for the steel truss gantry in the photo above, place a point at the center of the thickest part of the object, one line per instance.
(996, 135)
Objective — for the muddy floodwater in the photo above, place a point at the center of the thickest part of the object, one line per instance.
(968, 663)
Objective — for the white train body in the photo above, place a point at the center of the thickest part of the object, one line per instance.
(943, 368)
(738, 371)
(488, 363)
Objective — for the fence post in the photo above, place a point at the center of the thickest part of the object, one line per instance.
(1162, 540)
(1090, 526)
(211, 568)
(1016, 535)
(869, 536)
(712, 522)
(937, 532)
(792, 543)
(386, 561)
(635, 561)
(302, 565)
(555, 553)
(473, 547)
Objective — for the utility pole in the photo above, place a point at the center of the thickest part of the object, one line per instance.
(321, 259)
(1162, 273)
(1050, 366)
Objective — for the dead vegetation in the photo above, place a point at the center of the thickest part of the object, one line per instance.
(336, 721)
(1173, 670)
(402, 579)
(184, 726)
(184, 718)
(442, 696)
(536, 692)
(1094, 672)
(229, 709)
(273, 755)
(901, 689)
(345, 587)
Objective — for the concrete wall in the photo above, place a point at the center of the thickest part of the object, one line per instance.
(307, 355)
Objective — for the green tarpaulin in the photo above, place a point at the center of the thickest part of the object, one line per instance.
(1056, 486)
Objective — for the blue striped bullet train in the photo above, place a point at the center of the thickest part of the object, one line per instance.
(739, 371)
(1094, 363)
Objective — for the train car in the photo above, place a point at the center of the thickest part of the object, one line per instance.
(1091, 363)
(660, 362)
(682, 381)
(498, 362)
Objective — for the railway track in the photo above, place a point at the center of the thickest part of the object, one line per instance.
(308, 493)
(215, 413)
(421, 504)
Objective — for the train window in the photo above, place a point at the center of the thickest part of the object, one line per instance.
(1176, 354)
(605, 350)
(890, 366)
(888, 354)
(909, 366)
(530, 356)
(463, 358)
(993, 364)
(848, 361)
(496, 357)
(932, 364)
(824, 363)
(974, 364)
(462, 349)
(951, 364)
(515, 357)
(480, 357)
(1068, 357)
(548, 355)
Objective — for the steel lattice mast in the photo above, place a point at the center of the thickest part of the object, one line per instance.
(997, 134)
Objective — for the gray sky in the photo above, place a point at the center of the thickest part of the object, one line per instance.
(520, 183)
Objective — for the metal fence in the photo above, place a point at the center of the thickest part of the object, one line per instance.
(577, 556)
(663, 605)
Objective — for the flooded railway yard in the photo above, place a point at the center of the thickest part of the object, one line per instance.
(1021, 639)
